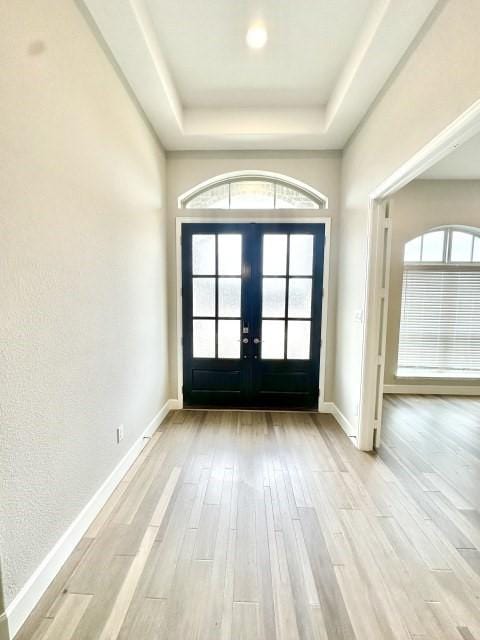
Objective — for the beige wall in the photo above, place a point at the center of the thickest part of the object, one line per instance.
(436, 83)
(421, 205)
(320, 170)
(83, 328)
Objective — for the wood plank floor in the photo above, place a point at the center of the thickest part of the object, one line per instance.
(236, 525)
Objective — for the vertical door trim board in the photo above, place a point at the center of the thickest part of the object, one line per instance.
(453, 135)
(209, 219)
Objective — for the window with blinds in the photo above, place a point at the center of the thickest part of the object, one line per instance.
(440, 314)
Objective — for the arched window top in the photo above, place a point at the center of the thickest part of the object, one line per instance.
(252, 190)
(444, 245)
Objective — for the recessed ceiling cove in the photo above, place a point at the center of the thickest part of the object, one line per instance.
(202, 87)
(203, 42)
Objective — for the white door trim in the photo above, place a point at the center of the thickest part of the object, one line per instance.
(455, 134)
(231, 220)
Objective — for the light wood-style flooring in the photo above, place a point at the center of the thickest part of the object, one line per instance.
(238, 525)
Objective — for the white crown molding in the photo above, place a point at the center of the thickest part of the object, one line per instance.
(387, 33)
(163, 73)
(27, 598)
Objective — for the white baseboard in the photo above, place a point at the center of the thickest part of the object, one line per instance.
(326, 407)
(331, 407)
(432, 389)
(27, 598)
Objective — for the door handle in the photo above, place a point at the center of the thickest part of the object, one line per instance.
(245, 340)
(256, 341)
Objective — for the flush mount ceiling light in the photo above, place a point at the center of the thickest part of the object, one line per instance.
(256, 36)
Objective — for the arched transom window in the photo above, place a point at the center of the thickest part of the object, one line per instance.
(449, 245)
(247, 190)
(440, 312)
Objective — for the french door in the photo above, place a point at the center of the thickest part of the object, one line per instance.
(252, 310)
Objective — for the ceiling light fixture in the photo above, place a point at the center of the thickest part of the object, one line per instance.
(256, 36)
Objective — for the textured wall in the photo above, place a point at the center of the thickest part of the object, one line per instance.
(83, 319)
(436, 83)
(320, 170)
(421, 205)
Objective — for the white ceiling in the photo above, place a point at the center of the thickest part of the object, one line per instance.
(203, 42)
(202, 88)
(461, 164)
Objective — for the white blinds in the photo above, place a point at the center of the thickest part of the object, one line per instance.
(440, 321)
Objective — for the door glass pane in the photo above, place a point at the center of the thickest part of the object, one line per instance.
(412, 250)
(476, 250)
(203, 296)
(229, 254)
(273, 339)
(252, 194)
(229, 338)
(432, 250)
(204, 338)
(274, 255)
(461, 247)
(273, 297)
(203, 255)
(298, 340)
(301, 255)
(229, 297)
(300, 298)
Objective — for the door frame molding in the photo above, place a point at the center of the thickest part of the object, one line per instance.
(289, 219)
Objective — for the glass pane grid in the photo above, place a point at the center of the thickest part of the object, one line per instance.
(252, 193)
(448, 245)
(216, 300)
(287, 301)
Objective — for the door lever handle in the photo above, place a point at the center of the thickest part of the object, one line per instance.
(256, 341)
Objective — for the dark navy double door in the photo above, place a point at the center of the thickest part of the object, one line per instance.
(252, 310)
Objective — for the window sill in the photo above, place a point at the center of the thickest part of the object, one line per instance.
(432, 374)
